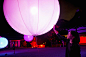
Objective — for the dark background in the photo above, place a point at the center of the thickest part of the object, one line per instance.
(69, 17)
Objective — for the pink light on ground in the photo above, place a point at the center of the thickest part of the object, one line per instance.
(31, 17)
(28, 38)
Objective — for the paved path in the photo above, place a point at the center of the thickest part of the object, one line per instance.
(39, 52)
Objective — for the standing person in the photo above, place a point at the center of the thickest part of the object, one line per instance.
(72, 43)
(14, 47)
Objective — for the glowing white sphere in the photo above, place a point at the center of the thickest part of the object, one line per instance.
(3, 42)
(28, 38)
(31, 17)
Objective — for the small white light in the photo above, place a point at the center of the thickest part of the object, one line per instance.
(1, 43)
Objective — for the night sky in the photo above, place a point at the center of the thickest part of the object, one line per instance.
(67, 11)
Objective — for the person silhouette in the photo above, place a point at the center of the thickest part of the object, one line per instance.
(72, 43)
(14, 47)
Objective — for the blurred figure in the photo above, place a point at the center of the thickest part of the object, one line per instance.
(28, 44)
(72, 43)
(14, 47)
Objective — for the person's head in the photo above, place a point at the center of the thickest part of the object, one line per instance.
(74, 36)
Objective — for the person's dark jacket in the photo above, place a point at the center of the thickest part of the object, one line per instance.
(72, 50)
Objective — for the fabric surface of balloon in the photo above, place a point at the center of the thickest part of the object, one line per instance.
(31, 17)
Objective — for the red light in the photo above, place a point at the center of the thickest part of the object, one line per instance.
(16, 45)
(34, 44)
(41, 46)
(82, 39)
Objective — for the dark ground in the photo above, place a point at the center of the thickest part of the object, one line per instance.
(39, 52)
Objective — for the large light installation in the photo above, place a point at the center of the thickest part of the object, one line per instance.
(3, 42)
(28, 38)
(31, 17)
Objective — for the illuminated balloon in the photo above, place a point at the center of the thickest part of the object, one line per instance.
(3, 42)
(31, 17)
(28, 38)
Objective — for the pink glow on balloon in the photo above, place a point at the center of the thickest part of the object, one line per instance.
(31, 17)
(34, 10)
(28, 38)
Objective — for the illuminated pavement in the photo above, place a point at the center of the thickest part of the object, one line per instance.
(39, 52)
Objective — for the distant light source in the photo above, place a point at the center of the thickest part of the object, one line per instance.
(3, 42)
(41, 46)
(43, 43)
